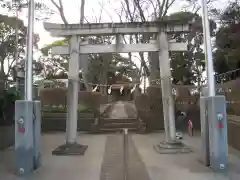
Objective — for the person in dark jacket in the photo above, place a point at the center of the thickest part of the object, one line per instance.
(180, 124)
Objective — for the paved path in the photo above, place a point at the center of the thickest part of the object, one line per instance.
(180, 166)
(87, 167)
(112, 166)
(142, 158)
(102, 160)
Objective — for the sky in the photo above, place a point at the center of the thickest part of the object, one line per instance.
(93, 9)
(72, 13)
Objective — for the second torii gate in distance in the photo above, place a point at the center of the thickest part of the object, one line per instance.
(75, 47)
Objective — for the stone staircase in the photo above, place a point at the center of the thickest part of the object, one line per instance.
(117, 116)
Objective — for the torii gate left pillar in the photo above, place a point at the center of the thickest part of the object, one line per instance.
(71, 147)
(73, 88)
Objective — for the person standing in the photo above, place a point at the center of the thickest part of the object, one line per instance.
(180, 124)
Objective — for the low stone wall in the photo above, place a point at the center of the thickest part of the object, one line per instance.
(58, 96)
(7, 136)
(55, 125)
(234, 131)
(56, 121)
(54, 109)
(149, 110)
(149, 105)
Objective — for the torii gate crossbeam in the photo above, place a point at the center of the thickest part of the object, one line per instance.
(105, 29)
(121, 48)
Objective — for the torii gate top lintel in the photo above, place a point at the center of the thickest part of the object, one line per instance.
(169, 26)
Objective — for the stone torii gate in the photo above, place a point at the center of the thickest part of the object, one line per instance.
(75, 47)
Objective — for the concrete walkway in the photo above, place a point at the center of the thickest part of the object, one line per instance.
(97, 160)
(113, 162)
(181, 166)
(88, 167)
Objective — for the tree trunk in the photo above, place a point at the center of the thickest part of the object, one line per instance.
(2, 77)
(154, 67)
(103, 81)
(60, 9)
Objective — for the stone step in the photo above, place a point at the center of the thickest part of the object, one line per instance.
(117, 129)
(121, 125)
(112, 120)
(64, 115)
(64, 118)
(54, 114)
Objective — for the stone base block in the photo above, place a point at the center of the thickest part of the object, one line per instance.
(70, 149)
(175, 147)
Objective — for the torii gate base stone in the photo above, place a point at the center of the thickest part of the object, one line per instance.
(161, 28)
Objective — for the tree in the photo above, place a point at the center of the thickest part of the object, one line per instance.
(149, 10)
(42, 10)
(227, 56)
(136, 15)
(55, 67)
(107, 68)
(8, 46)
(102, 69)
(143, 10)
(188, 67)
(60, 8)
(14, 7)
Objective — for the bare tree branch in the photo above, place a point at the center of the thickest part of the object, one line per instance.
(195, 6)
(129, 11)
(10, 67)
(168, 5)
(161, 8)
(101, 11)
(158, 3)
(131, 16)
(82, 12)
(60, 10)
(154, 8)
(137, 3)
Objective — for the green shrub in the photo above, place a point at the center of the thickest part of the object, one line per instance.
(7, 106)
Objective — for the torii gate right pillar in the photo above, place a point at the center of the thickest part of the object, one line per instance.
(167, 99)
(170, 145)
